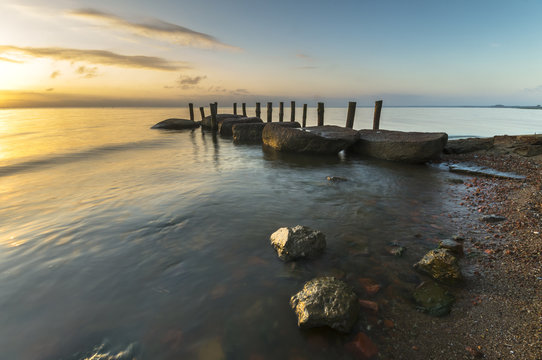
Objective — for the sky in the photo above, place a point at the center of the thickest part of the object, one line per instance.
(168, 53)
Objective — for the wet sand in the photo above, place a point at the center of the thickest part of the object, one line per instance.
(498, 312)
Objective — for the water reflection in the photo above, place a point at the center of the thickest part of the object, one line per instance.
(143, 241)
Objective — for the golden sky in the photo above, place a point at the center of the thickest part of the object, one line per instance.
(137, 53)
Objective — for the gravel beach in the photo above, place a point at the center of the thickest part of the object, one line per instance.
(498, 310)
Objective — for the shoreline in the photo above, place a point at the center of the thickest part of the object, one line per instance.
(498, 312)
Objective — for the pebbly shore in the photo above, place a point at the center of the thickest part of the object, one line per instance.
(498, 313)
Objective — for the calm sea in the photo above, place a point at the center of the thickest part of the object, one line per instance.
(118, 240)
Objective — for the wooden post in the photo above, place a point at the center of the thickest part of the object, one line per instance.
(281, 111)
(191, 108)
(292, 111)
(304, 115)
(351, 114)
(320, 114)
(235, 108)
(202, 111)
(214, 123)
(269, 111)
(258, 110)
(378, 110)
(244, 109)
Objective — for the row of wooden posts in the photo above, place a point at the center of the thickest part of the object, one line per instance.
(349, 117)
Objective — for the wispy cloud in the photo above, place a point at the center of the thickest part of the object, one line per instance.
(10, 60)
(187, 80)
(303, 56)
(102, 57)
(87, 72)
(239, 92)
(154, 29)
(55, 74)
(307, 67)
(536, 89)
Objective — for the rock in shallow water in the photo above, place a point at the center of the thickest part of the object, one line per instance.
(433, 299)
(326, 301)
(441, 265)
(250, 133)
(315, 140)
(225, 126)
(492, 218)
(176, 124)
(298, 242)
(413, 147)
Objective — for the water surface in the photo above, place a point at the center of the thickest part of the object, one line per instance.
(118, 239)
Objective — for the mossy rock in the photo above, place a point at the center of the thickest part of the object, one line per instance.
(433, 299)
(441, 265)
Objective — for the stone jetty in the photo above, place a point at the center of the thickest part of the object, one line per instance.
(412, 147)
(326, 140)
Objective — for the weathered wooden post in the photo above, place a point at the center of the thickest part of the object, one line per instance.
(269, 111)
(202, 111)
(292, 111)
(350, 115)
(378, 110)
(281, 111)
(244, 109)
(234, 108)
(258, 110)
(304, 115)
(320, 114)
(191, 108)
(214, 123)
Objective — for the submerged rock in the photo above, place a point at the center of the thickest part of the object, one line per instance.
(472, 169)
(441, 265)
(362, 347)
(250, 133)
(433, 299)
(176, 124)
(316, 139)
(326, 301)
(413, 147)
(336, 179)
(298, 242)
(225, 125)
(492, 218)
(454, 246)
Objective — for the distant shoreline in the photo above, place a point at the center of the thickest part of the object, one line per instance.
(535, 107)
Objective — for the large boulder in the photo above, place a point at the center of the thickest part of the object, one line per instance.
(298, 242)
(327, 139)
(433, 299)
(250, 133)
(225, 125)
(326, 301)
(414, 147)
(464, 146)
(207, 121)
(176, 124)
(441, 265)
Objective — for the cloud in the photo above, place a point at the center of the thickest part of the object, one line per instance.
(536, 89)
(55, 74)
(10, 60)
(239, 92)
(303, 56)
(101, 57)
(87, 72)
(50, 89)
(307, 67)
(154, 29)
(187, 80)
